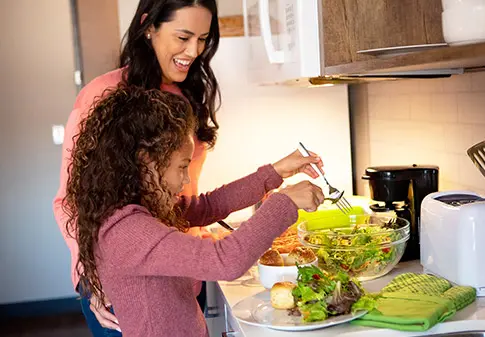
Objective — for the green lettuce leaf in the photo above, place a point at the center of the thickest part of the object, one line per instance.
(314, 312)
(367, 302)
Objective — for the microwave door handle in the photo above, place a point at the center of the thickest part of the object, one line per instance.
(274, 56)
(245, 17)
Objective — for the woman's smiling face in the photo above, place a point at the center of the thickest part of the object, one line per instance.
(177, 43)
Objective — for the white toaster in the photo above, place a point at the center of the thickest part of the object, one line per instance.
(452, 237)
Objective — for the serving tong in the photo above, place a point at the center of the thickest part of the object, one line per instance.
(477, 155)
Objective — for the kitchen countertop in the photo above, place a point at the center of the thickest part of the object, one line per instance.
(472, 318)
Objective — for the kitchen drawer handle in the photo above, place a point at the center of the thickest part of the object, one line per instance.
(230, 334)
(212, 312)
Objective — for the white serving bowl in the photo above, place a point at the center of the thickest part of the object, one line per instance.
(269, 275)
(464, 25)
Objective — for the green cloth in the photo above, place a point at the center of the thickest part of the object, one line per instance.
(417, 302)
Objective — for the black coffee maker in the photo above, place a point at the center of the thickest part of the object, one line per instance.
(402, 189)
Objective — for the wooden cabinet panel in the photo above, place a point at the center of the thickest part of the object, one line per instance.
(353, 25)
(231, 26)
(99, 36)
(470, 56)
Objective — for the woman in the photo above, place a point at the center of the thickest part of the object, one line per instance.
(129, 165)
(169, 46)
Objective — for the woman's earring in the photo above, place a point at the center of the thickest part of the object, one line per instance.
(149, 36)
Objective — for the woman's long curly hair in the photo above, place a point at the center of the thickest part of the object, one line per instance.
(126, 131)
(141, 66)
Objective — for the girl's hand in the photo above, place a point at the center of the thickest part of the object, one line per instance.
(305, 195)
(296, 163)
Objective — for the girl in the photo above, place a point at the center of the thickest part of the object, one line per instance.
(169, 46)
(126, 210)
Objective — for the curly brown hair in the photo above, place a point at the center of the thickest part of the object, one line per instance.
(126, 130)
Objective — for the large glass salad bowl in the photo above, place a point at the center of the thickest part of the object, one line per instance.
(365, 246)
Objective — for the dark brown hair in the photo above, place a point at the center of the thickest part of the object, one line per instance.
(141, 66)
(125, 131)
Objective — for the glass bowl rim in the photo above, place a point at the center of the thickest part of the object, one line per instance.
(345, 248)
(404, 227)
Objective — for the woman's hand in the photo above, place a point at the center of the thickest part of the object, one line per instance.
(105, 318)
(296, 163)
(305, 195)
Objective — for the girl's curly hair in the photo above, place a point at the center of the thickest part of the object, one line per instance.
(125, 131)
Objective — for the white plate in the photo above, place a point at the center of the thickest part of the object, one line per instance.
(257, 310)
(400, 50)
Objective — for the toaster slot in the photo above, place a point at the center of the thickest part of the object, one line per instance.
(458, 200)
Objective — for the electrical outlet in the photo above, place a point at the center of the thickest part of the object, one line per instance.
(58, 134)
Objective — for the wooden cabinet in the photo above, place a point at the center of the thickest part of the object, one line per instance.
(231, 21)
(468, 57)
(350, 26)
(231, 26)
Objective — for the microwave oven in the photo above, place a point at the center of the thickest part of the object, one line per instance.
(285, 44)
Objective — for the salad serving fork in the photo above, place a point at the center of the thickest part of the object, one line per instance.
(335, 196)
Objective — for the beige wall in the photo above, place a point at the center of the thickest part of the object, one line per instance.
(230, 7)
(37, 91)
(423, 122)
(126, 11)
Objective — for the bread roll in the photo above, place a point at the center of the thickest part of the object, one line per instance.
(272, 258)
(302, 255)
(281, 296)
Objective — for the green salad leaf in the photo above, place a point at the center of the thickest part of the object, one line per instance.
(367, 302)
(355, 250)
(306, 294)
(306, 274)
(319, 295)
(314, 312)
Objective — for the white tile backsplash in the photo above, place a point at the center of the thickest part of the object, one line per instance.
(444, 108)
(429, 86)
(478, 81)
(457, 84)
(378, 105)
(471, 108)
(399, 108)
(420, 107)
(428, 122)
